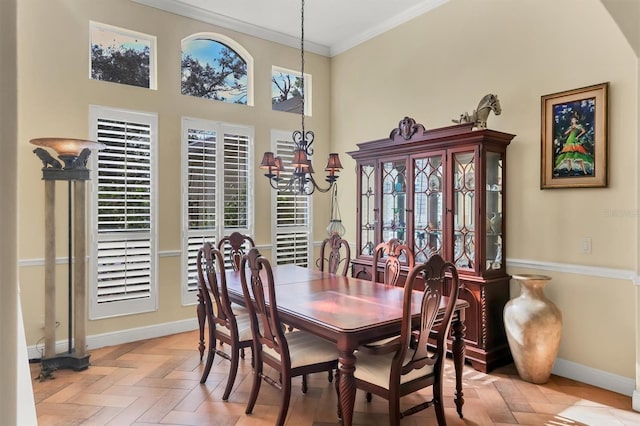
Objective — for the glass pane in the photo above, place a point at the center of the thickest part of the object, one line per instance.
(367, 203)
(428, 207)
(464, 178)
(494, 211)
(394, 213)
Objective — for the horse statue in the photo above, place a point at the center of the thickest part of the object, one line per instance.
(479, 116)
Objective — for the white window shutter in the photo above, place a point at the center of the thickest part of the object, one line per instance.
(292, 233)
(123, 250)
(217, 189)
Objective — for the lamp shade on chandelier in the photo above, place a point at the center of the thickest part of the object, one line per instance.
(301, 180)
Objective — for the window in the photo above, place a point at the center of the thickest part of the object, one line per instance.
(216, 67)
(286, 93)
(292, 212)
(122, 56)
(123, 219)
(217, 198)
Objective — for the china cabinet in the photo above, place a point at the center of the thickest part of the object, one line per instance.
(442, 191)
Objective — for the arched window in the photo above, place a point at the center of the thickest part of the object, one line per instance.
(216, 67)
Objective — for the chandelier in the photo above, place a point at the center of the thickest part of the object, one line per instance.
(301, 180)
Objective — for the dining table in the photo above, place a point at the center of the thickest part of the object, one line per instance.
(349, 312)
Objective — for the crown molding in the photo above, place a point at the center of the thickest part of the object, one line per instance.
(199, 14)
(179, 8)
(395, 21)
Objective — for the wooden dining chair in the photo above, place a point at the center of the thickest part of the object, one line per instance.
(232, 247)
(395, 255)
(339, 253)
(224, 325)
(407, 365)
(292, 354)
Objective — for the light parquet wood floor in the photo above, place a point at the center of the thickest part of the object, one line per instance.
(156, 381)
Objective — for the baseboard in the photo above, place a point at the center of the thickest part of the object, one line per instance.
(123, 336)
(563, 368)
(594, 377)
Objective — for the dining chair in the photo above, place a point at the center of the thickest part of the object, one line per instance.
(407, 365)
(339, 252)
(292, 354)
(395, 254)
(224, 325)
(232, 247)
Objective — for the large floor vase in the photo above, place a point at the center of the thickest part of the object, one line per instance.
(534, 327)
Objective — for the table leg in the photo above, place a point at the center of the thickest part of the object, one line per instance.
(347, 386)
(201, 319)
(457, 348)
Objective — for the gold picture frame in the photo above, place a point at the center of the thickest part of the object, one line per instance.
(574, 138)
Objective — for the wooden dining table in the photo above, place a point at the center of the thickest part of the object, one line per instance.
(349, 312)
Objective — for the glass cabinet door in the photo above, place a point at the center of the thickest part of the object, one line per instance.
(494, 241)
(393, 211)
(367, 206)
(427, 207)
(464, 190)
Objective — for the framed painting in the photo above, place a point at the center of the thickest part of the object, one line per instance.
(574, 138)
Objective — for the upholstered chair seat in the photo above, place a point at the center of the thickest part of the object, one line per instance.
(305, 349)
(376, 369)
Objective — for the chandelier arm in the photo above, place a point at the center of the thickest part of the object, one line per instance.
(318, 187)
(271, 182)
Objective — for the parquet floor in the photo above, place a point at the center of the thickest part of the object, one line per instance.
(156, 381)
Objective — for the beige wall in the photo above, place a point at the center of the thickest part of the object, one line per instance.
(440, 65)
(55, 94)
(432, 68)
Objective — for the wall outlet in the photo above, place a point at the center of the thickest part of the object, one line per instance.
(585, 245)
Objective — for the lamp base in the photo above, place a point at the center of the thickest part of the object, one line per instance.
(63, 361)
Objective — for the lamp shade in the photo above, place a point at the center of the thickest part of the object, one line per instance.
(333, 163)
(268, 160)
(279, 164)
(299, 159)
(67, 147)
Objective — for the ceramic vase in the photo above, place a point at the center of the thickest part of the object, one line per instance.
(534, 327)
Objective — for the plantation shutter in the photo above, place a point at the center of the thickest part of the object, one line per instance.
(216, 190)
(292, 212)
(123, 247)
(201, 196)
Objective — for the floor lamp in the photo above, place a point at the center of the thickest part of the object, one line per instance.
(71, 166)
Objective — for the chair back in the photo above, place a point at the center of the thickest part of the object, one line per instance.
(335, 245)
(265, 321)
(212, 282)
(235, 246)
(439, 278)
(395, 254)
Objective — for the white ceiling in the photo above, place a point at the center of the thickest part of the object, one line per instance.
(330, 26)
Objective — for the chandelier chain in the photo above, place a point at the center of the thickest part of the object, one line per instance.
(302, 64)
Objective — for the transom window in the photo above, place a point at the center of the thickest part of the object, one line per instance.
(216, 67)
